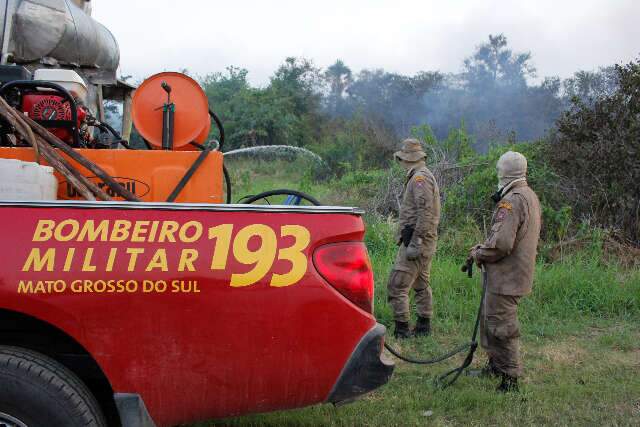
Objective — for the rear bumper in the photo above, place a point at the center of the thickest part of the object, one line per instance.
(366, 369)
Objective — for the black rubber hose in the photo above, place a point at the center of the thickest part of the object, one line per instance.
(283, 192)
(220, 128)
(118, 139)
(112, 130)
(472, 346)
(227, 179)
(428, 361)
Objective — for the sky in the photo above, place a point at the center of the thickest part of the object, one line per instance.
(404, 36)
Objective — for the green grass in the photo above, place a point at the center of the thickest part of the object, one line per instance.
(580, 337)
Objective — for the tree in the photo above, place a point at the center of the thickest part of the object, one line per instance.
(299, 80)
(494, 64)
(392, 98)
(285, 112)
(338, 77)
(495, 99)
(589, 86)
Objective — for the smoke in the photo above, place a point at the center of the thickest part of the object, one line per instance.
(496, 97)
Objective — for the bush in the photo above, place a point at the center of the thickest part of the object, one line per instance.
(471, 196)
(597, 150)
(355, 144)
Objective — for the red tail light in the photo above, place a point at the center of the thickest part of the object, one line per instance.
(347, 268)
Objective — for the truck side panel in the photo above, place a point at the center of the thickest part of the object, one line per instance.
(224, 315)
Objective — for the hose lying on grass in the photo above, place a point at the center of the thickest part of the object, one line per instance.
(472, 345)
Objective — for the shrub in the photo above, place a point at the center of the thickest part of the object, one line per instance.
(471, 196)
(597, 149)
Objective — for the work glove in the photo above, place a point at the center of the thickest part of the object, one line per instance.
(406, 234)
(414, 249)
(473, 254)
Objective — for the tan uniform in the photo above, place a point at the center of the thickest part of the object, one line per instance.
(509, 256)
(420, 209)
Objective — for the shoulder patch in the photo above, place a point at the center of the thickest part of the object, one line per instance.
(505, 205)
(502, 214)
(419, 180)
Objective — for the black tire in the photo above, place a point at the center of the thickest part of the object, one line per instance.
(40, 392)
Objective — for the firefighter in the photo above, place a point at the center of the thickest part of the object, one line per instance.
(416, 237)
(509, 256)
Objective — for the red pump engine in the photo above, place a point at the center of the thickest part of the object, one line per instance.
(45, 106)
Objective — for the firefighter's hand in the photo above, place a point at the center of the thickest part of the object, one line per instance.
(406, 235)
(473, 254)
(414, 249)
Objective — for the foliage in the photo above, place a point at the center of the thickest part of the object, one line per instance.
(393, 99)
(285, 112)
(470, 197)
(493, 94)
(354, 144)
(589, 86)
(597, 148)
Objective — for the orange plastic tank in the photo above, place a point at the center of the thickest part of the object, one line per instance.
(152, 175)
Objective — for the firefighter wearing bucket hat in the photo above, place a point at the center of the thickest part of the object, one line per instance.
(416, 237)
(509, 256)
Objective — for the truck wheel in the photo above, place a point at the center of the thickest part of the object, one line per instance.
(37, 391)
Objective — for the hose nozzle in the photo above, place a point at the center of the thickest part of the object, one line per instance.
(468, 267)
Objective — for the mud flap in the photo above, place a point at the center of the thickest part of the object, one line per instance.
(132, 411)
(366, 370)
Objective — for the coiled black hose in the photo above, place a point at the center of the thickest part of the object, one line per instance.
(220, 128)
(280, 192)
(227, 177)
(118, 138)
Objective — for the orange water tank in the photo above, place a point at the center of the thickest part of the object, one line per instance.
(152, 175)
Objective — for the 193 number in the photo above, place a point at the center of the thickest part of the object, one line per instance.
(263, 257)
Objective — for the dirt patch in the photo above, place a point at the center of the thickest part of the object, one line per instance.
(566, 353)
(628, 358)
(614, 249)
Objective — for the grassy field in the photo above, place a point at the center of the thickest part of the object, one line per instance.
(580, 343)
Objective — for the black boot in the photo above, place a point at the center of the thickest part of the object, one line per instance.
(508, 385)
(487, 371)
(402, 330)
(423, 327)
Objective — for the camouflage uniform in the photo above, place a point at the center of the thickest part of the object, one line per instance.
(509, 256)
(420, 209)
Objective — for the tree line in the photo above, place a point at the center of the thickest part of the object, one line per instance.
(497, 97)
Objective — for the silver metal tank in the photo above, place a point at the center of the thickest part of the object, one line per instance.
(59, 33)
